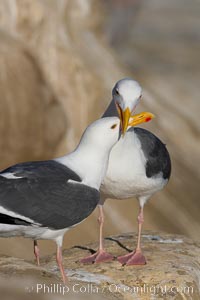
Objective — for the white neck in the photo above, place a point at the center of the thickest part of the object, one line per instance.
(90, 165)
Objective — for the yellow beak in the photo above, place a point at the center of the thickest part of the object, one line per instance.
(124, 118)
(140, 118)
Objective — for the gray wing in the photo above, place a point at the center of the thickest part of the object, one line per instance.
(158, 159)
(111, 110)
(44, 195)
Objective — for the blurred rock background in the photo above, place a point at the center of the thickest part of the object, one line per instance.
(59, 60)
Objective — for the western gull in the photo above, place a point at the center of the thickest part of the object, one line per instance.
(139, 165)
(44, 199)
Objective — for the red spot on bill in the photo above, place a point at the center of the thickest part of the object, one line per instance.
(148, 119)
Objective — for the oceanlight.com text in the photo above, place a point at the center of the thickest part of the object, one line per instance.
(111, 288)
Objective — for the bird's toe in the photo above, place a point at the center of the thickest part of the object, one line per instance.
(137, 259)
(103, 256)
(89, 259)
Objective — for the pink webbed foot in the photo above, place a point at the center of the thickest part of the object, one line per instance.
(98, 257)
(89, 259)
(133, 258)
(103, 256)
(123, 259)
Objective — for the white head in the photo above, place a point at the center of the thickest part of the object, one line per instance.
(126, 94)
(90, 158)
(101, 134)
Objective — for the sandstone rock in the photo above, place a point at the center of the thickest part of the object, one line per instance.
(62, 35)
(32, 123)
(172, 271)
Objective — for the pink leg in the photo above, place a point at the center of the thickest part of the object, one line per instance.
(101, 255)
(136, 257)
(60, 265)
(37, 252)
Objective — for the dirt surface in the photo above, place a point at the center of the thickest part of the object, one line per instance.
(171, 272)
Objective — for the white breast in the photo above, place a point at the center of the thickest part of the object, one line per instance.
(126, 174)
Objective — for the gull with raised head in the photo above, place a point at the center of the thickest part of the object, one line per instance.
(139, 165)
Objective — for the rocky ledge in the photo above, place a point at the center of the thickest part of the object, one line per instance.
(172, 272)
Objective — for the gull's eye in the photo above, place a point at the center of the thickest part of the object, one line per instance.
(113, 126)
(117, 92)
(140, 97)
